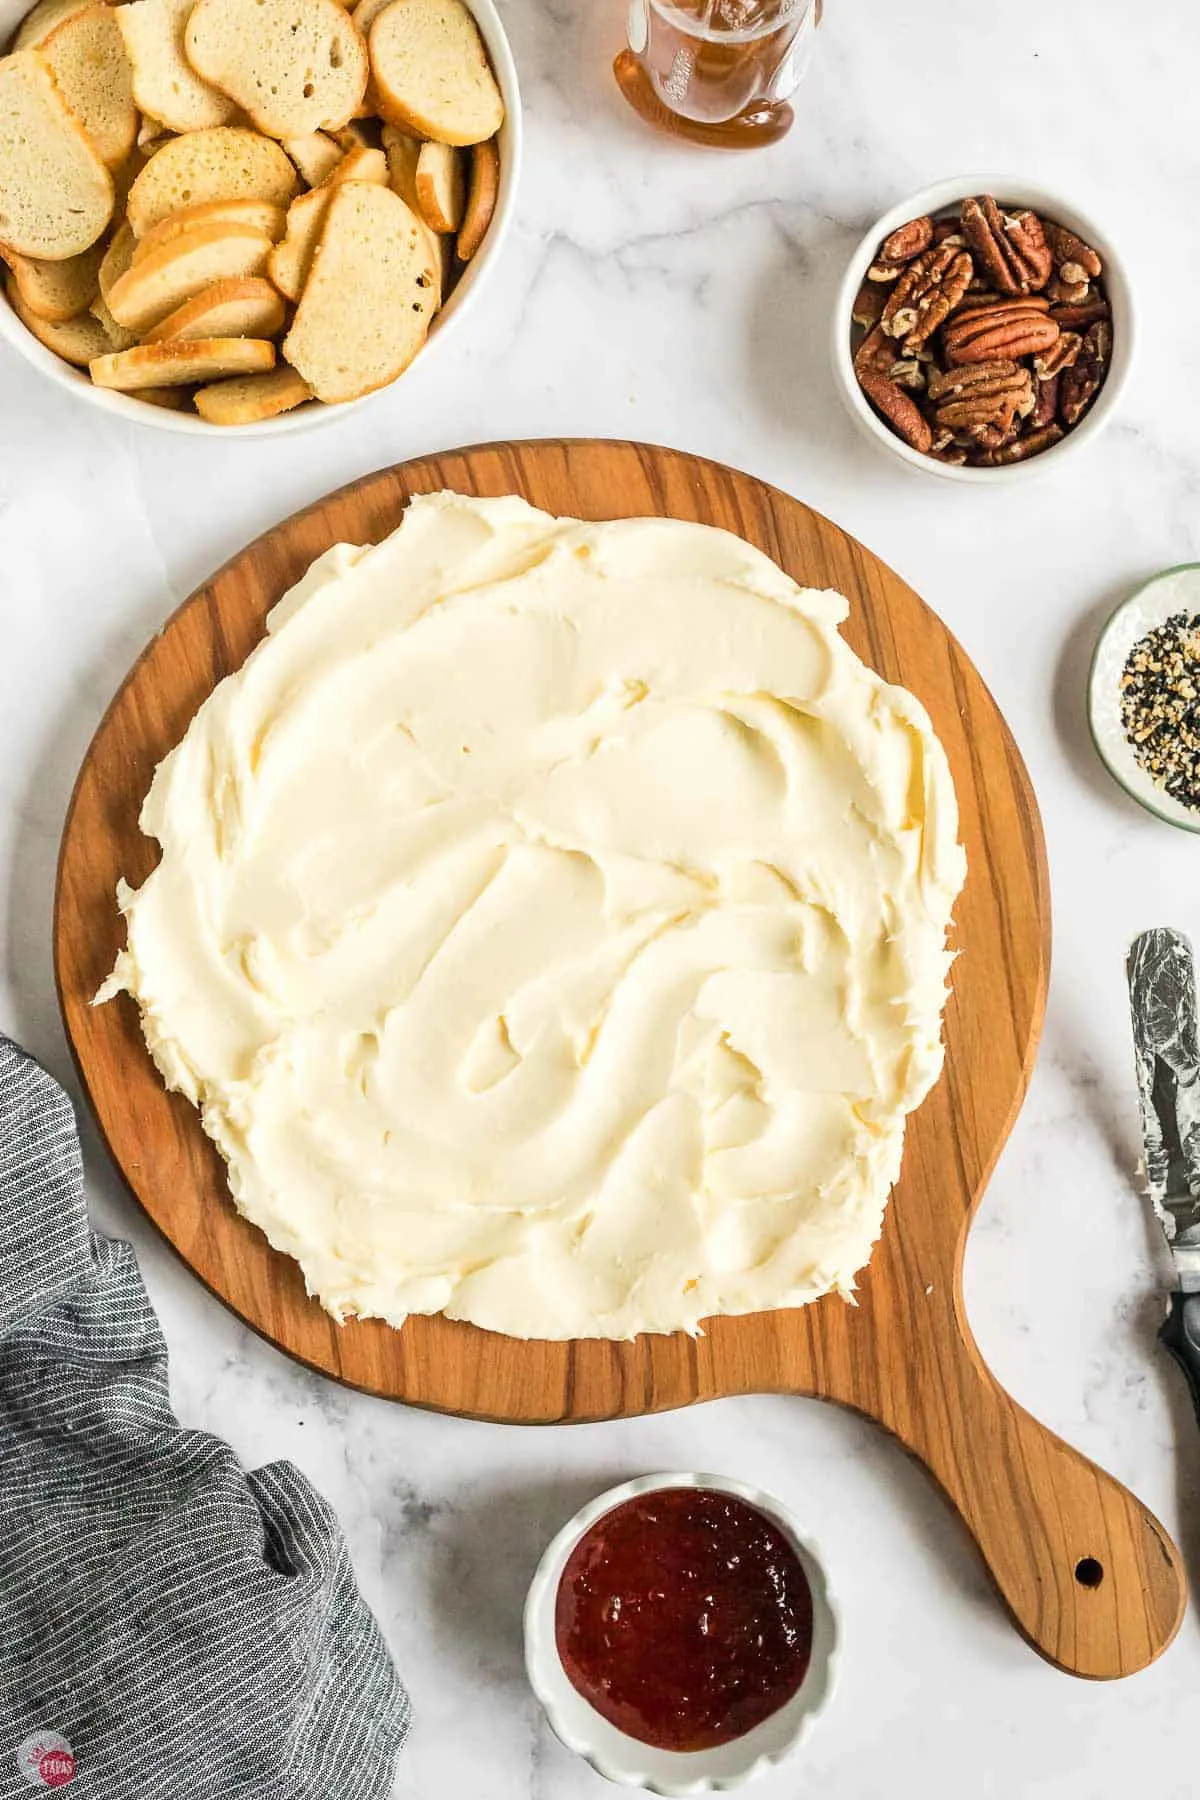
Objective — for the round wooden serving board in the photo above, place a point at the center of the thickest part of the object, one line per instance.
(1090, 1577)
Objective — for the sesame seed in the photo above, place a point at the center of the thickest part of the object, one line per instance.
(1160, 707)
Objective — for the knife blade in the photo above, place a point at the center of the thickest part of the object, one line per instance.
(1162, 997)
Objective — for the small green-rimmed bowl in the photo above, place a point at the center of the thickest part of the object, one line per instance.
(1174, 591)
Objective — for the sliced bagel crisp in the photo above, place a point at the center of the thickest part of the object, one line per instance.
(361, 164)
(315, 155)
(294, 66)
(369, 297)
(75, 340)
(119, 338)
(57, 290)
(362, 133)
(152, 135)
(289, 261)
(259, 215)
(481, 198)
(116, 258)
(181, 363)
(249, 307)
(56, 194)
(165, 85)
(431, 74)
(441, 187)
(40, 21)
(123, 177)
(171, 399)
(403, 153)
(364, 13)
(440, 251)
(177, 270)
(86, 56)
(226, 163)
(248, 398)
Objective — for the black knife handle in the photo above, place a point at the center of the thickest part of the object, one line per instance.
(1180, 1332)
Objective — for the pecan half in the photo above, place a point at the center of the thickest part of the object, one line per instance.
(1068, 249)
(992, 437)
(926, 294)
(907, 241)
(1011, 247)
(1008, 328)
(972, 300)
(868, 305)
(974, 378)
(1076, 318)
(989, 395)
(900, 412)
(1062, 292)
(987, 242)
(908, 373)
(1045, 409)
(1097, 340)
(1025, 243)
(1059, 356)
(1032, 444)
(1081, 382)
(884, 271)
(876, 352)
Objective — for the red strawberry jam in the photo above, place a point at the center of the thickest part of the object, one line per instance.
(685, 1618)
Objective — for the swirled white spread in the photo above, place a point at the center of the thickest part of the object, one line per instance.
(551, 926)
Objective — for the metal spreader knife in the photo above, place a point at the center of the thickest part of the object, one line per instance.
(1162, 997)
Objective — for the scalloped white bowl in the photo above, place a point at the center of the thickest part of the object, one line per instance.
(623, 1759)
(305, 418)
(1009, 190)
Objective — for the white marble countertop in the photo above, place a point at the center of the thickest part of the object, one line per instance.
(681, 296)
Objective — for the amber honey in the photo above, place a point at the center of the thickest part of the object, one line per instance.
(717, 71)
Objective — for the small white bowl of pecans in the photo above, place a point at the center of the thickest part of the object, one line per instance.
(983, 329)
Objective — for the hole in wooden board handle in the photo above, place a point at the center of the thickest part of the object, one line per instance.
(1089, 1572)
(1090, 1576)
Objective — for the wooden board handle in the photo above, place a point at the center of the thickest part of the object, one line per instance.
(1091, 1577)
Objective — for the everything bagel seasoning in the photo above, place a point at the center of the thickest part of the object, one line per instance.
(1160, 705)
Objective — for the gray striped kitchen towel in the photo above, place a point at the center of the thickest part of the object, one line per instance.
(170, 1626)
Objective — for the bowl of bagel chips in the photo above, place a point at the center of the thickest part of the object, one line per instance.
(248, 214)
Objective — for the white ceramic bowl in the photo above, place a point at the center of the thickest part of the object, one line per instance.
(1174, 591)
(1009, 191)
(126, 406)
(623, 1759)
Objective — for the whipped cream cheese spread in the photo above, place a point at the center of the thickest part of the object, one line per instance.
(550, 926)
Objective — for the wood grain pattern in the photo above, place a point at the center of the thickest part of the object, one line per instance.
(905, 1355)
